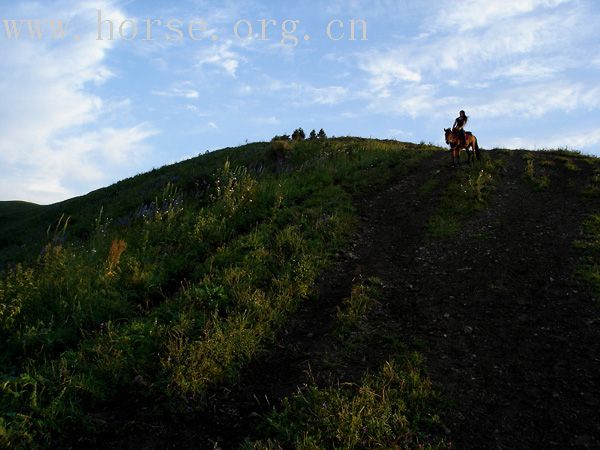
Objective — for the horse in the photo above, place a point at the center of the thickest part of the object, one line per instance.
(454, 141)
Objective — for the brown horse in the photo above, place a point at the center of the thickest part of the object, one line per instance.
(456, 144)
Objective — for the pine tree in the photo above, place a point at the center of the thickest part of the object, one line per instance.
(313, 135)
(322, 134)
(298, 135)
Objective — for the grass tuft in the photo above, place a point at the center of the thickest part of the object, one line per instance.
(395, 408)
(355, 308)
(537, 181)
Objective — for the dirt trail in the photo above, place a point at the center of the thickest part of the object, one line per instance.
(510, 338)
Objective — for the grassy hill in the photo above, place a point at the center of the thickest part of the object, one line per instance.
(283, 295)
(25, 225)
(174, 279)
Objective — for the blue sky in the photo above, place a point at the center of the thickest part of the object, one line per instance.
(80, 113)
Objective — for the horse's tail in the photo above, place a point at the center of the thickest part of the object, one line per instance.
(476, 148)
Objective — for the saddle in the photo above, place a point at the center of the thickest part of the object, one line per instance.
(464, 136)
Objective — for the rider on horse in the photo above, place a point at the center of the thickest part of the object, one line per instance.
(458, 139)
(459, 125)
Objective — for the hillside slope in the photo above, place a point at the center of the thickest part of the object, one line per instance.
(492, 297)
(163, 287)
(24, 225)
(349, 293)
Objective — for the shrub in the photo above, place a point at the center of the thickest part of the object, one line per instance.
(279, 149)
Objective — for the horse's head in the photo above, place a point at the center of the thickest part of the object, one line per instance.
(449, 136)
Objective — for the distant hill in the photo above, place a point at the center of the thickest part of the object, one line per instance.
(17, 222)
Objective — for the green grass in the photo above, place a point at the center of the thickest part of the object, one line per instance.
(549, 163)
(539, 181)
(589, 269)
(154, 290)
(570, 165)
(394, 408)
(566, 153)
(355, 308)
(429, 186)
(467, 194)
(593, 187)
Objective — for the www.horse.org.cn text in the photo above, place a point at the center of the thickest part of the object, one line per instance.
(287, 32)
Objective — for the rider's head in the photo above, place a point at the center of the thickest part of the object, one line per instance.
(462, 113)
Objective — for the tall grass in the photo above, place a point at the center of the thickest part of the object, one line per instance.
(354, 309)
(539, 181)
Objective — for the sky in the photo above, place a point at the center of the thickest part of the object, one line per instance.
(81, 110)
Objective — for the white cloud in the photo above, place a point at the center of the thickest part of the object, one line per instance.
(47, 88)
(537, 100)
(183, 89)
(529, 69)
(53, 173)
(113, 145)
(329, 95)
(475, 57)
(270, 120)
(464, 15)
(529, 101)
(420, 100)
(497, 45)
(396, 133)
(573, 141)
(493, 67)
(300, 94)
(221, 56)
(386, 71)
(375, 8)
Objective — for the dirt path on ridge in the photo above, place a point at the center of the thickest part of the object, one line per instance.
(509, 335)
